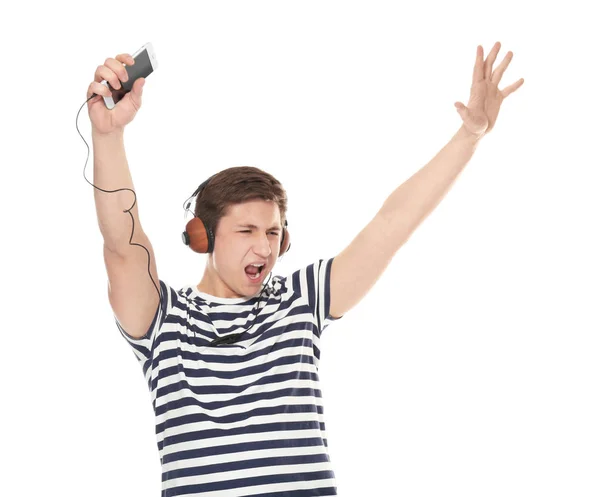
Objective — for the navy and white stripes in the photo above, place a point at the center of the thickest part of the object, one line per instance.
(247, 418)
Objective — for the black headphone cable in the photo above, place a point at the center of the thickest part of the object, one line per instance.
(112, 191)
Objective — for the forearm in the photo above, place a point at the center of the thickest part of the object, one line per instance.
(416, 198)
(111, 172)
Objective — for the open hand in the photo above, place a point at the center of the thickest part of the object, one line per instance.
(480, 114)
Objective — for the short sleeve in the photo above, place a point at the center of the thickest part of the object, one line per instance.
(143, 346)
(314, 283)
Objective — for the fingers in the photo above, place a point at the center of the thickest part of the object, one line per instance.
(484, 70)
(125, 58)
(499, 71)
(489, 61)
(511, 88)
(98, 89)
(113, 70)
(478, 69)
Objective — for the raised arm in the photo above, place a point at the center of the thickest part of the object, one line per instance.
(133, 295)
(358, 267)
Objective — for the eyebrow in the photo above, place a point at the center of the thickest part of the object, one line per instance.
(256, 227)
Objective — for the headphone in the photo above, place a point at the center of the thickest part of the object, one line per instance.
(201, 238)
(197, 235)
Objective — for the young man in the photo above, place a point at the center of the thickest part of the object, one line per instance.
(232, 362)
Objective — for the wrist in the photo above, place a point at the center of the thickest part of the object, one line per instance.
(116, 134)
(464, 134)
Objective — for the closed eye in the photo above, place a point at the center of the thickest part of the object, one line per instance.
(248, 231)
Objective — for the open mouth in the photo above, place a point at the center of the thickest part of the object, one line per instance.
(254, 277)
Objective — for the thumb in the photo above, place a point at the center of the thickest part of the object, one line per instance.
(136, 91)
(462, 110)
(140, 84)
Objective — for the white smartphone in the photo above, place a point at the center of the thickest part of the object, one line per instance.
(145, 64)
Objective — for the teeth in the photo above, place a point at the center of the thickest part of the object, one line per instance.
(257, 265)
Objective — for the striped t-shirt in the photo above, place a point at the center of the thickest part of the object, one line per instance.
(245, 418)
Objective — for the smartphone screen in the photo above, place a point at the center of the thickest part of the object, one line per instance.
(141, 69)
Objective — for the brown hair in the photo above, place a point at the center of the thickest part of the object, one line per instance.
(234, 186)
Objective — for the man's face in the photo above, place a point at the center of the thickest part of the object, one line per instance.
(249, 233)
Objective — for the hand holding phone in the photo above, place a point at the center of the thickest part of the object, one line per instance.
(119, 81)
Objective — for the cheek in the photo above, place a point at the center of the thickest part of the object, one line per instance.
(229, 253)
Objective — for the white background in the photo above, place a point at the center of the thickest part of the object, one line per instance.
(472, 366)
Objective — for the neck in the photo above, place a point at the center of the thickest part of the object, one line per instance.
(212, 284)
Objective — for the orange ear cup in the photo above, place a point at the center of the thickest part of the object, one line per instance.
(197, 236)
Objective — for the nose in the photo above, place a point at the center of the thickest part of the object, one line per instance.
(263, 246)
